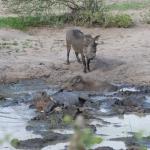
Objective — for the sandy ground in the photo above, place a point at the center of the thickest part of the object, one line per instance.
(122, 56)
(120, 1)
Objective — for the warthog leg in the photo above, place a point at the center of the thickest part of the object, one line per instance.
(68, 52)
(84, 63)
(88, 64)
(77, 56)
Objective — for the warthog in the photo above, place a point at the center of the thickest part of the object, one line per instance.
(83, 44)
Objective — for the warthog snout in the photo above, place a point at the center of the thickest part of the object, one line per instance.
(83, 44)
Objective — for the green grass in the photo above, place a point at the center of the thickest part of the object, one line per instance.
(24, 23)
(119, 20)
(147, 18)
(86, 18)
(14, 142)
(129, 5)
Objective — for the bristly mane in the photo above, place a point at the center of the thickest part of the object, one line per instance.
(77, 33)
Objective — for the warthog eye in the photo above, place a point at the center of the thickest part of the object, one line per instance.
(94, 47)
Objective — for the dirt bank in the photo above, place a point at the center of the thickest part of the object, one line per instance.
(122, 56)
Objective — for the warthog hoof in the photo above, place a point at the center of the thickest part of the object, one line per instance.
(68, 63)
(80, 62)
(89, 70)
(84, 71)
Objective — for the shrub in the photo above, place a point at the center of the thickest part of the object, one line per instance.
(48, 7)
(147, 17)
(82, 18)
(83, 13)
(15, 142)
(129, 5)
(83, 138)
(121, 21)
(87, 18)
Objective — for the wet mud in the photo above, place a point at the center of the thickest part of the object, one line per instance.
(34, 113)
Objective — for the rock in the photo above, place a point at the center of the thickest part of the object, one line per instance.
(92, 127)
(104, 148)
(38, 143)
(71, 110)
(41, 64)
(132, 103)
(2, 98)
(86, 84)
(134, 148)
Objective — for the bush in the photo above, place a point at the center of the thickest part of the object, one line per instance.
(82, 18)
(87, 18)
(83, 13)
(15, 142)
(147, 17)
(101, 18)
(49, 7)
(83, 138)
(129, 5)
(92, 14)
(37, 13)
(121, 21)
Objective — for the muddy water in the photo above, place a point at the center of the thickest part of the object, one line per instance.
(15, 115)
(119, 127)
(13, 124)
(15, 112)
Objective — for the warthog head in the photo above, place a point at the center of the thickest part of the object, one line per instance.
(90, 46)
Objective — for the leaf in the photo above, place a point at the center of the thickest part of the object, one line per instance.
(67, 119)
(15, 142)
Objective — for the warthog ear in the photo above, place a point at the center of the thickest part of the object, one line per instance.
(96, 38)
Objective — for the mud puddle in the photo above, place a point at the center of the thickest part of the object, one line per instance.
(13, 124)
(15, 112)
(122, 115)
(122, 127)
(118, 117)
